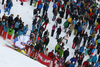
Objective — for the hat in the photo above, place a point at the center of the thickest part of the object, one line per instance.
(73, 62)
(11, 25)
(3, 19)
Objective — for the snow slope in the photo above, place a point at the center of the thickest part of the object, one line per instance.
(11, 58)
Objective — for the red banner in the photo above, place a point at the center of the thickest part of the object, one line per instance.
(24, 0)
(44, 59)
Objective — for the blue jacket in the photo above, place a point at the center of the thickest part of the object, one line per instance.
(73, 60)
(98, 40)
(54, 6)
(25, 29)
(92, 40)
(17, 25)
(79, 4)
(10, 4)
(47, 7)
(96, 64)
(81, 49)
(84, 24)
(5, 28)
(79, 29)
(40, 6)
(94, 59)
(71, 65)
(33, 27)
(36, 0)
(3, 23)
(93, 50)
(20, 32)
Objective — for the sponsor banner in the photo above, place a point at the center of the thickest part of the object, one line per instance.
(44, 59)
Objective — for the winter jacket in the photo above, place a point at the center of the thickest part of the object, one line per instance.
(73, 60)
(21, 26)
(46, 41)
(90, 59)
(51, 55)
(66, 24)
(93, 50)
(92, 40)
(10, 31)
(54, 6)
(59, 20)
(79, 29)
(55, 12)
(5, 28)
(69, 20)
(36, 0)
(61, 51)
(71, 27)
(85, 63)
(66, 53)
(61, 14)
(17, 25)
(86, 51)
(10, 4)
(67, 11)
(81, 49)
(40, 6)
(59, 31)
(53, 27)
(39, 2)
(10, 19)
(3, 23)
(20, 32)
(97, 64)
(33, 27)
(75, 39)
(99, 40)
(16, 19)
(72, 65)
(56, 47)
(25, 29)
(47, 7)
(94, 59)
(1, 28)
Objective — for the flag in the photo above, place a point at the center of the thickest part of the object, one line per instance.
(44, 59)
(24, 0)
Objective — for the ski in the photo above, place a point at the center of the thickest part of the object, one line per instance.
(18, 50)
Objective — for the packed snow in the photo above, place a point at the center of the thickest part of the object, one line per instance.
(11, 58)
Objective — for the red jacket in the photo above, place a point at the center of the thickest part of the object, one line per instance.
(91, 14)
(51, 55)
(67, 11)
(85, 63)
(58, 3)
(49, 0)
(62, 6)
(1, 28)
(91, 46)
(39, 2)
